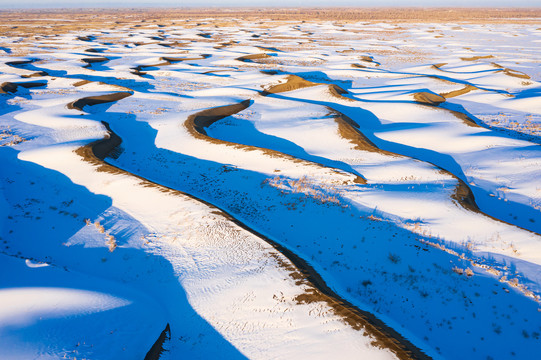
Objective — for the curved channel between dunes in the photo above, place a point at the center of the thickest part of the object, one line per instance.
(196, 124)
(300, 270)
(350, 130)
(100, 99)
(166, 61)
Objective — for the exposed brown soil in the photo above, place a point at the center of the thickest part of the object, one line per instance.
(170, 59)
(93, 60)
(338, 91)
(293, 82)
(516, 73)
(225, 44)
(349, 129)
(459, 92)
(269, 49)
(118, 87)
(94, 18)
(366, 58)
(512, 72)
(137, 71)
(100, 99)
(81, 83)
(197, 122)
(424, 97)
(464, 196)
(84, 38)
(252, 57)
(215, 71)
(92, 50)
(359, 66)
(474, 58)
(17, 63)
(35, 74)
(11, 87)
(438, 66)
(25, 22)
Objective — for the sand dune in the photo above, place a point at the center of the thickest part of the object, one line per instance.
(512, 72)
(20, 62)
(429, 98)
(462, 91)
(266, 188)
(11, 87)
(99, 99)
(475, 58)
(197, 123)
(249, 58)
(293, 82)
(177, 59)
(36, 74)
(300, 270)
(94, 60)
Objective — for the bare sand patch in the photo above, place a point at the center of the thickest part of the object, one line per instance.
(35, 74)
(95, 100)
(475, 58)
(252, 57)
(511, 72)
(293, 82)
(466, 89)
(430, 98)
(94, 60)
(11, 87)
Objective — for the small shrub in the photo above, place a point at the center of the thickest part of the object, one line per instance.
(111, 242)
(395, 259)
(100, 227)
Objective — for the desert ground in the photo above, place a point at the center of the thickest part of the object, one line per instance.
(270, 184)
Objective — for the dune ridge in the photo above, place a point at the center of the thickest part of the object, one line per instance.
(96, 153)
(99, 99)
(196, 124)
(11, 87)
(372, 178)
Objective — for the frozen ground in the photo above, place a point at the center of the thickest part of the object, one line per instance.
(271, 190)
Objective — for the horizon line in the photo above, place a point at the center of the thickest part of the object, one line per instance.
(259, 8)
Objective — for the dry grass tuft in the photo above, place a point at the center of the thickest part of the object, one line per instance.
(324, 194)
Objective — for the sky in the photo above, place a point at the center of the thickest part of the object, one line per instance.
(270, 3)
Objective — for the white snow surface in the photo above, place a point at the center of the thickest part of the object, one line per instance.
(94, 261)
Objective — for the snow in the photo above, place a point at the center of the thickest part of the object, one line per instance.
(102, 255)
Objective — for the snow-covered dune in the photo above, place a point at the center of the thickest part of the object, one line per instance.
(271, 190)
